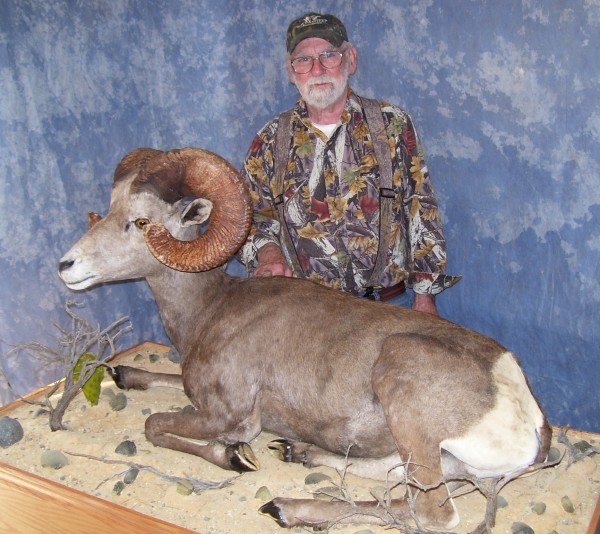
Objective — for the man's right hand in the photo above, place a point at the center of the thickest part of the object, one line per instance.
(271, 262)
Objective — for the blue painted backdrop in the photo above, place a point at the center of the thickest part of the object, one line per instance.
(505, 95)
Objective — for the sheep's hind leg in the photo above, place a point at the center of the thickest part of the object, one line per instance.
(322, 515)
(388, 468)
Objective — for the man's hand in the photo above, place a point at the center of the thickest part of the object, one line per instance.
(271, 262)
(425, 303)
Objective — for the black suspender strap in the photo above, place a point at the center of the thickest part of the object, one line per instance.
(282, 153)
(386, 192)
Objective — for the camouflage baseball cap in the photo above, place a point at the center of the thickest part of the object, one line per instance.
(325, 27)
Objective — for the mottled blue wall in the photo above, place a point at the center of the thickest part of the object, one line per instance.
(505, 95)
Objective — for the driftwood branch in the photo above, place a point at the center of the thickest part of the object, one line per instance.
(198, 485)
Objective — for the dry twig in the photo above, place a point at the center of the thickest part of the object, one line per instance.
(198, 485)
(71, 344)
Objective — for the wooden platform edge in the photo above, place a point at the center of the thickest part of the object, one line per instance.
(31, 503)
(594, 527)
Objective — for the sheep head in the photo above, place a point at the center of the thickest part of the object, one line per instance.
(149, 199)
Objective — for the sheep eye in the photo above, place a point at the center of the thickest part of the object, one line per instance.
(141, 222)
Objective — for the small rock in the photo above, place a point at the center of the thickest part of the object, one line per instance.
(131, 475)
(138, 357)
(146, 411)
(315, 478)
(263, 493)
(184, 487)
(53, 459)
(365, 531)
(40, 412)
(118, 488)
(501, 502)
(126, 448)
(539, 508)
(521, 528)
(553, 454)
(567, 505)
(154, 357)
(188, 409)
(582, 446)
(118, 402)
(11, 432)
(173, 355)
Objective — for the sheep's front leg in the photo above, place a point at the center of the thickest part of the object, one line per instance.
(180, 431)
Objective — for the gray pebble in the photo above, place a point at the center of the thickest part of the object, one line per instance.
(138, 357)
(131, 475)
(567, 505)
(53, 459)
(263, 493)
(582, 446)
(553, 454)
(154, 357)
(11, 432)
(521, 528)
(365, 531)
(146, 411)
(118, 402)
(173, 355)
(501, 502)
(315, 478)
(118, 488)
(539, 508)
(188, 409)
(184, 487)
(126, 448)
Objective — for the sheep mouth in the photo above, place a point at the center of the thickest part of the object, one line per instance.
(84, 283)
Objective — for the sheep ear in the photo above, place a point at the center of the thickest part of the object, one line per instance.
(196, 212)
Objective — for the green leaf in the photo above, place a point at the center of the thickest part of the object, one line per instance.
(91, 388)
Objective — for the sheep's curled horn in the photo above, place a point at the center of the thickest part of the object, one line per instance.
(198, 173)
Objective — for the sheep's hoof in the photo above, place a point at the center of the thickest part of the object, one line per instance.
(282, 449)
(242, 458)
(274, 512)
(117, 375)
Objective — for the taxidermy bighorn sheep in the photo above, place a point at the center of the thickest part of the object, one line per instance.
(331, 374)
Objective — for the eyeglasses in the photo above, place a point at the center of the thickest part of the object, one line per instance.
(330, 59)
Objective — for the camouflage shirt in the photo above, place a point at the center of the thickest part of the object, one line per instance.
(331, 199)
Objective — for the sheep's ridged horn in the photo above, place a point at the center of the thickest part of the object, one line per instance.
(200, 173)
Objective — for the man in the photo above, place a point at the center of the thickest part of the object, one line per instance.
(348, 223)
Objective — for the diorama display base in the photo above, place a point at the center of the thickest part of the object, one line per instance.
(89, 494)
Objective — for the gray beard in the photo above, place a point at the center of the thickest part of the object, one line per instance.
(322, 98)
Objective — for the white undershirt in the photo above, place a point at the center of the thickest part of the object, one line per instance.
(327, 129)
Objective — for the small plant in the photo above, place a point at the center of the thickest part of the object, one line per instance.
(81, 351)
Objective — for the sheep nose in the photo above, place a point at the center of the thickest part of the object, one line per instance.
(64, 265)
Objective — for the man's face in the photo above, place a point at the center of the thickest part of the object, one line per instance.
(321, 87)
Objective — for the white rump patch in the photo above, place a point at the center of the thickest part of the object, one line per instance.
(505, 439)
